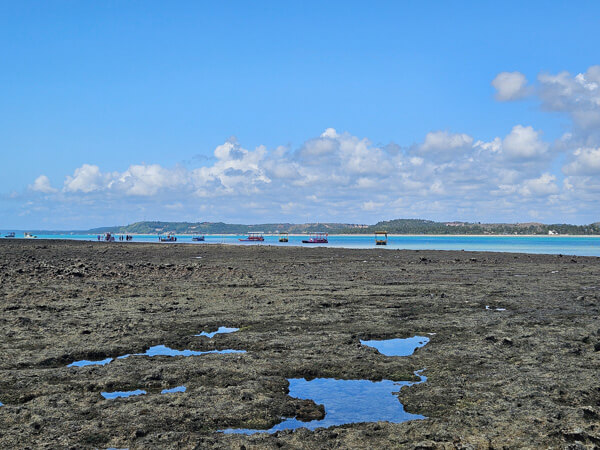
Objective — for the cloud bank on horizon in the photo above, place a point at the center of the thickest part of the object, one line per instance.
(337, 176)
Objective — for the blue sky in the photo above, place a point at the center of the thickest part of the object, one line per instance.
(226, 111)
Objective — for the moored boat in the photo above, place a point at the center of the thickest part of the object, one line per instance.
(29, 236)
(316, 238)
(284, 237)
(198, 238)
(10, 235)
(168, 238)
(381, 238)
(254, 236)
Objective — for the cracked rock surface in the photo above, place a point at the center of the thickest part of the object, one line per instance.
(526, 376)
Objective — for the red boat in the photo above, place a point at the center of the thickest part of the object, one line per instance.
(254, 236)
(316, 238)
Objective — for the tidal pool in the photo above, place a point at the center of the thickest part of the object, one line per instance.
(397, 347)
(122, 394)
(221, 330)
(162, 350)
(157, 350)
(85, 362)
(173, 390)
(345, 401)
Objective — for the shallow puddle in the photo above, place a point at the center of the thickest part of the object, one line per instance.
(173, 390)
(162, 350)
(85, 362)
(221, 330)
(125, 394)
(397, 347)
(345, 401)
(122, 394)
(157, 350)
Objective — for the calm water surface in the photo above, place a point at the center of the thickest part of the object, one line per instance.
(173, 390)
(157, 350)
(566, 245)
(345, 401)
(397, 347)
(220, 330)
(353, 401)
(122, 394)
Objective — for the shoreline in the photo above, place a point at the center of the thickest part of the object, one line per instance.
(561, 245)
(337, 235)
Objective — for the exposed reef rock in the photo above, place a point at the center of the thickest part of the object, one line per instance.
(522, 373)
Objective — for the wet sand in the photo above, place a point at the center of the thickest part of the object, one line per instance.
(523, 377)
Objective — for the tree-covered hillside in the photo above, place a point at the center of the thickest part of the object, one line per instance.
(397, 226)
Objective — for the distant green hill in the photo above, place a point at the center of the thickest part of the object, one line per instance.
(397, 226)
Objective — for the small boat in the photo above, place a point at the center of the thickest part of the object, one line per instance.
(198, 238)
(29, 236)
(10, 235)
(381, 238)
(168, 238)
(316, 238)
(254, 236)
(284, 237)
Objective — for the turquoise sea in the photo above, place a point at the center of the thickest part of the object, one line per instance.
(566, 245)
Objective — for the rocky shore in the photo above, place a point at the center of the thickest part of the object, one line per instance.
(523, 372)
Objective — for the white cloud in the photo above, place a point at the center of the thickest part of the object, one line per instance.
(371, 205)
(323, 145)
(148, 180)
(583, 188)
(416, 161)
(352, 173)
(437, 187)
(42, 184)
(578, 95)
(494, 146)
(345, 177)
(86, 178)
(237, 171)
(539, 187)
(137, 180)
(585, 161)
(523, 143)
(348, 177)
(510, 86)
(329, 133)
(442, 141)
(176, 205)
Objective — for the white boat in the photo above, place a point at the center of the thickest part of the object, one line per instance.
(29, 236)
(10, 235)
